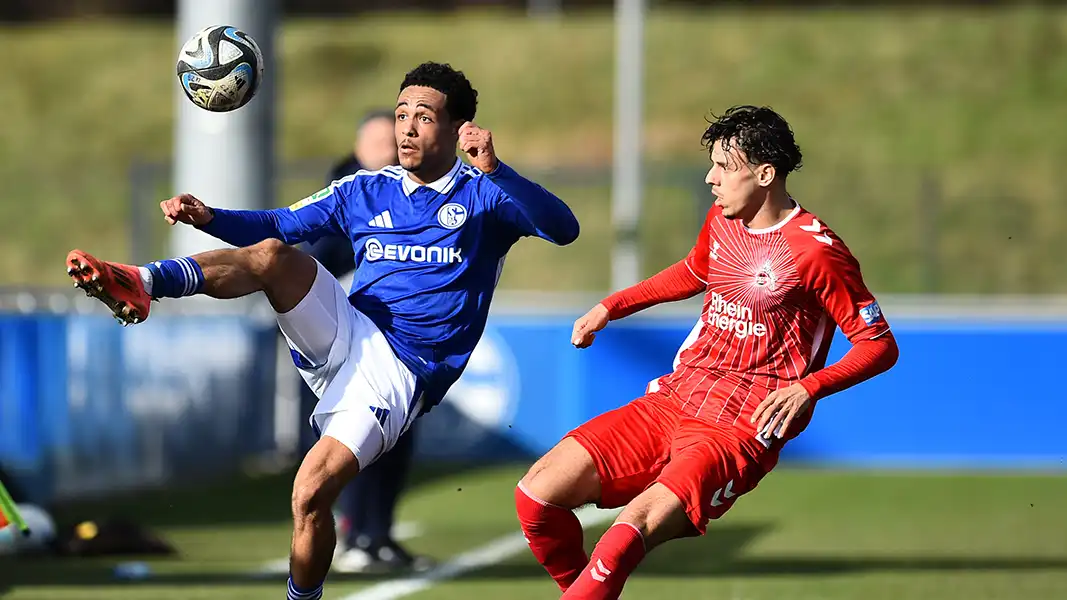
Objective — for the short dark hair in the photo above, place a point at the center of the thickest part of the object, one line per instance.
(461, 99)
(762, 134)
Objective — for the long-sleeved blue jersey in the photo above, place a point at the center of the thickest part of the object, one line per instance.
(428, 258)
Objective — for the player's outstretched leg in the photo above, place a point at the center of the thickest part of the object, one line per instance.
(545, 499)
(654, 517)
(282, 272)
(325, 471)
(710, 467)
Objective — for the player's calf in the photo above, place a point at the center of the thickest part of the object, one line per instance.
(654, 517)
(283, 273)
(562, 480)
(326, 469)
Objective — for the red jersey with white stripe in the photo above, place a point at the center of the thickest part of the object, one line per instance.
(773, 299)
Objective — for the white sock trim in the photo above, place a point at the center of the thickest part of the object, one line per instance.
(531, 496)
(635, 528)
(146, 279)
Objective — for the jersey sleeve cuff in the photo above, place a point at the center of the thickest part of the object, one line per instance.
(501, 170)
(812, 386)
(613, 305)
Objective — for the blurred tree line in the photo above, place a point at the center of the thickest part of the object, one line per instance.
(38, 10)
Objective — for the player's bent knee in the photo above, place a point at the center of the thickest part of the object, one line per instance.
(659, 515)
(565, 476)
(285, 273)
(311, 498)
(276, 260)
(326, 469)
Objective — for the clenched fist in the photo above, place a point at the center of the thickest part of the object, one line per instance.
(586, 327)
(186, 209)
(478, 144)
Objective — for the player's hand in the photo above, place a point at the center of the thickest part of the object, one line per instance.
(186, 209)
(778, 410)
(478, 144)
(586, 327)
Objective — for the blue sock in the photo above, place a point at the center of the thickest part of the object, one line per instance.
(296, 593)
(173, 278)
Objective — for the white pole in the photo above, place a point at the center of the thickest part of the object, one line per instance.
(626, 176)
(225, 159)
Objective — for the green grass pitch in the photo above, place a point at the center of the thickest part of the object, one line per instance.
(801, 535)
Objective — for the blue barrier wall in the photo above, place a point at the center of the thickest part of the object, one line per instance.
(87, 406)
(977, 394)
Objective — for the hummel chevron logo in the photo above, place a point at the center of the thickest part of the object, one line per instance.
(726, 492)
(599, 571)
(816, 227)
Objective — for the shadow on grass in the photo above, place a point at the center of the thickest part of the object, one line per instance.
(720, 554)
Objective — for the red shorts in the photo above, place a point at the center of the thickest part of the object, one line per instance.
(707, 465)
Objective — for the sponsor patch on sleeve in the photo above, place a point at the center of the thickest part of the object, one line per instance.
(872, 313)
(319, 195)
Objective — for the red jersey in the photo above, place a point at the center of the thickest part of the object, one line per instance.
(772, 300)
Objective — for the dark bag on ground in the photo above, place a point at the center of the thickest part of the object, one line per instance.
(110, 537)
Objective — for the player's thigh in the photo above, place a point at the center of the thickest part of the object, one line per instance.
(628, 447)
(358, 432)
(372, 397)
(564, 476)
(317, 330)
(711, 467)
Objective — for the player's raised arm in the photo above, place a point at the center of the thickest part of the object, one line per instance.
(306, 220)
(527, 206)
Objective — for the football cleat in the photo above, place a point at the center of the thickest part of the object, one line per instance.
(118, 286)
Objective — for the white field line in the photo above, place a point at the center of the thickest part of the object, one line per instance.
(492, 553)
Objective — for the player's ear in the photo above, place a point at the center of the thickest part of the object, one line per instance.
(765, 174)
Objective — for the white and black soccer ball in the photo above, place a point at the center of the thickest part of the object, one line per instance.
(220, 68)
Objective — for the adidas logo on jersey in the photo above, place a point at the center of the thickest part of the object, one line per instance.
(382, 221)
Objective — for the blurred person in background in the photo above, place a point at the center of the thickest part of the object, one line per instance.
(368, 504)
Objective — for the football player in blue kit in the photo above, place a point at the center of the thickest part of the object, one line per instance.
(430, 237)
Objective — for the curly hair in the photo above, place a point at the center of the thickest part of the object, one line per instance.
(461, 99)
(762, 134)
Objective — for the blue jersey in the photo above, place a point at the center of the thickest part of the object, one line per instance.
(428, 258)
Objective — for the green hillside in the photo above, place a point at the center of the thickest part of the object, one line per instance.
(893, 109)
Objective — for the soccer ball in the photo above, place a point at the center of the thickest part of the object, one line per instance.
(220, 68)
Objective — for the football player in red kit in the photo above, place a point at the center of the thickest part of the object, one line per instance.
(776, 283)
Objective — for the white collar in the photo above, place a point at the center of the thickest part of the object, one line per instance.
(779, 224)
(441, 186)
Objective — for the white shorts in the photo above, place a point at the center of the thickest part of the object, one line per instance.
(367, 396)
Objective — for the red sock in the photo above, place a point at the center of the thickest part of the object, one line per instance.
(554, 535)
(616, 555)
